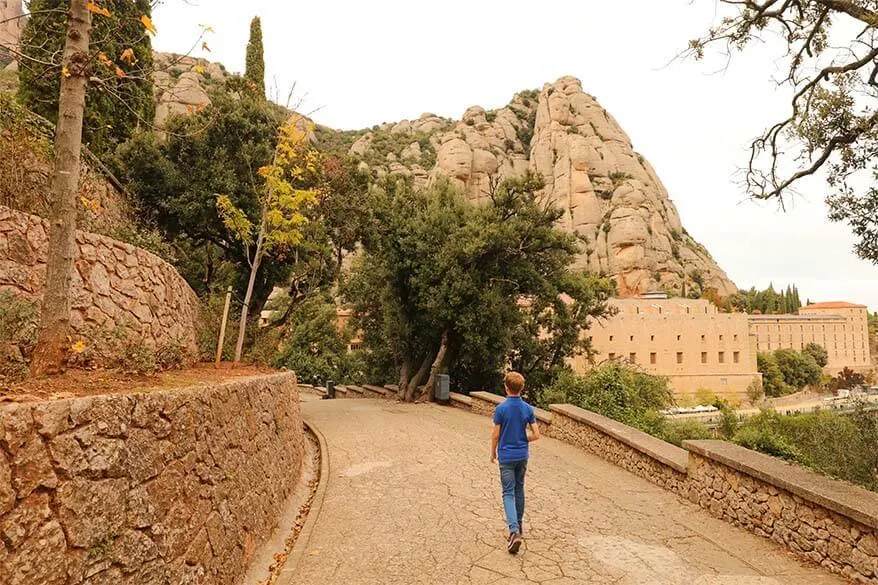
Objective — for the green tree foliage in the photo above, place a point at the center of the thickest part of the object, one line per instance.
(827, 50)
(312, 344)
(120, 94)
(445, 285)
(766, 302)
(798, 369)
(772, 378)
(818, 353)
(254, 72)
(616, 390)
(847, 379)
(219, 150)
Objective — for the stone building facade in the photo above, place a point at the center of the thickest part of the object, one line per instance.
(842, 328)
(696, 346)
(689, 341)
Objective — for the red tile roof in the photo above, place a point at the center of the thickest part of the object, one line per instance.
(834, 305)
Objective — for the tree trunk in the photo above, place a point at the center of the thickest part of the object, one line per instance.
(404, 377)
(50, 351)
(436, 368)
(257, 259)
(416, 379)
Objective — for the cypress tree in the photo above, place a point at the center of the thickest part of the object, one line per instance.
(255, 71)
(116, 105)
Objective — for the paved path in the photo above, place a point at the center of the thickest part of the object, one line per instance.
(412, 498)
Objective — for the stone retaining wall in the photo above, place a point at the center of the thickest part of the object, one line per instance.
(176, 486)
(826, 521)
(118, 290)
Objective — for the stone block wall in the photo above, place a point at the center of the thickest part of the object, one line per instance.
(567, 429)
(176, 486)
(115, 285)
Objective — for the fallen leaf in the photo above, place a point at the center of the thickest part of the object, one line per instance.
(147, 23)
(119, 72)
(65, 72)
(105, 61)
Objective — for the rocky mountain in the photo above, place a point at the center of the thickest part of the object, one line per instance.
(612, 198)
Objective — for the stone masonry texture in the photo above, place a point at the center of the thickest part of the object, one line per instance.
(117, 289)
(156, 488)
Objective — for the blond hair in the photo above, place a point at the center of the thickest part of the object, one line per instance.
(514, 383)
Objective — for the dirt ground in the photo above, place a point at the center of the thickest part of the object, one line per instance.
(91, 383)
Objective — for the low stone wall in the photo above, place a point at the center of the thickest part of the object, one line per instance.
(830, 522)
(176, 486)
(117, 289)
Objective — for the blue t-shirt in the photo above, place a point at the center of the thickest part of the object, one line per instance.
(513, 415)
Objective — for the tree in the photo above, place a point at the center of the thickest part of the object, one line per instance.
(831, 65)
(772, 378)
(798, 369)
(289, 186)
(818, 353)
(444, 285)
(254, 72)
(120, 93)
(49, 353)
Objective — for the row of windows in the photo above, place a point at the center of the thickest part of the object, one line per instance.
(653, 357)
(679, 337)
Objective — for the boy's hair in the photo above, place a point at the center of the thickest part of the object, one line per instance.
(514, 383)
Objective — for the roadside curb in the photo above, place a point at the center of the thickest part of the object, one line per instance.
(288, 573)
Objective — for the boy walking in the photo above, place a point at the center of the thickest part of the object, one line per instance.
(509, 443)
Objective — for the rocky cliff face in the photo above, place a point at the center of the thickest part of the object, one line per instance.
(10, 24)
(612, 198)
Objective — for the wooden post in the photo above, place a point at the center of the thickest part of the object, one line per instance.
(222, 335)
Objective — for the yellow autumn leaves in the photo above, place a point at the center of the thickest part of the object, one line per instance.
(128, 57)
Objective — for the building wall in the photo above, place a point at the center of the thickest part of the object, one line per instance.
(689, 341)
(841, 328)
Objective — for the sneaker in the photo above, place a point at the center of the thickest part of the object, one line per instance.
(514, 545)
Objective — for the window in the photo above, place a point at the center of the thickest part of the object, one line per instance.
(722, 357)
(702, 338)
(652, 337)
(631, 338)
(611, 338)
(735, 337)
(687, 310)
(678, 338)
(632, 357)
(355, 346)
(736, 357)
(720, 337)
(652, 358)
(723, 381)
(611, 356)
(703, 357)
(679, 357)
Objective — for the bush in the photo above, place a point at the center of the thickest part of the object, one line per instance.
(19, 320)
(677, 431)
(772, 378)
(616, 390)
(755, 391)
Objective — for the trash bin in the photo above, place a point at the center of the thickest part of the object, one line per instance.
(443, 388)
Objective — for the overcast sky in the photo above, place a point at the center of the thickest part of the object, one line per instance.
(356, 64)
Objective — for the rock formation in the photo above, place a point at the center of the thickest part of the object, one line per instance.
(181, 84)
(11, 21)
(612, 198)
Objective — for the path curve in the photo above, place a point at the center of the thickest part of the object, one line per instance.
(412, 498)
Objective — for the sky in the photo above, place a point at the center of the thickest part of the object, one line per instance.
(356, 64)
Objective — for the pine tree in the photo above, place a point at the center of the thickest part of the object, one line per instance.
(255, 71)
(122, 99)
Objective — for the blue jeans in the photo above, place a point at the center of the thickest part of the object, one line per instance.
(512, 482)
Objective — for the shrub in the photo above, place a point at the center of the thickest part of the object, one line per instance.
(677, 431)
(19, 319)
(616, 390)
(772, 378)
(490, 117)
(755, 391)
(817, 352)
(572, 130)
(470, 122)
(508, 145)
(798, 369)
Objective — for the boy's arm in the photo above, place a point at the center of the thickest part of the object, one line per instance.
(534, 432)
(495, 438)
